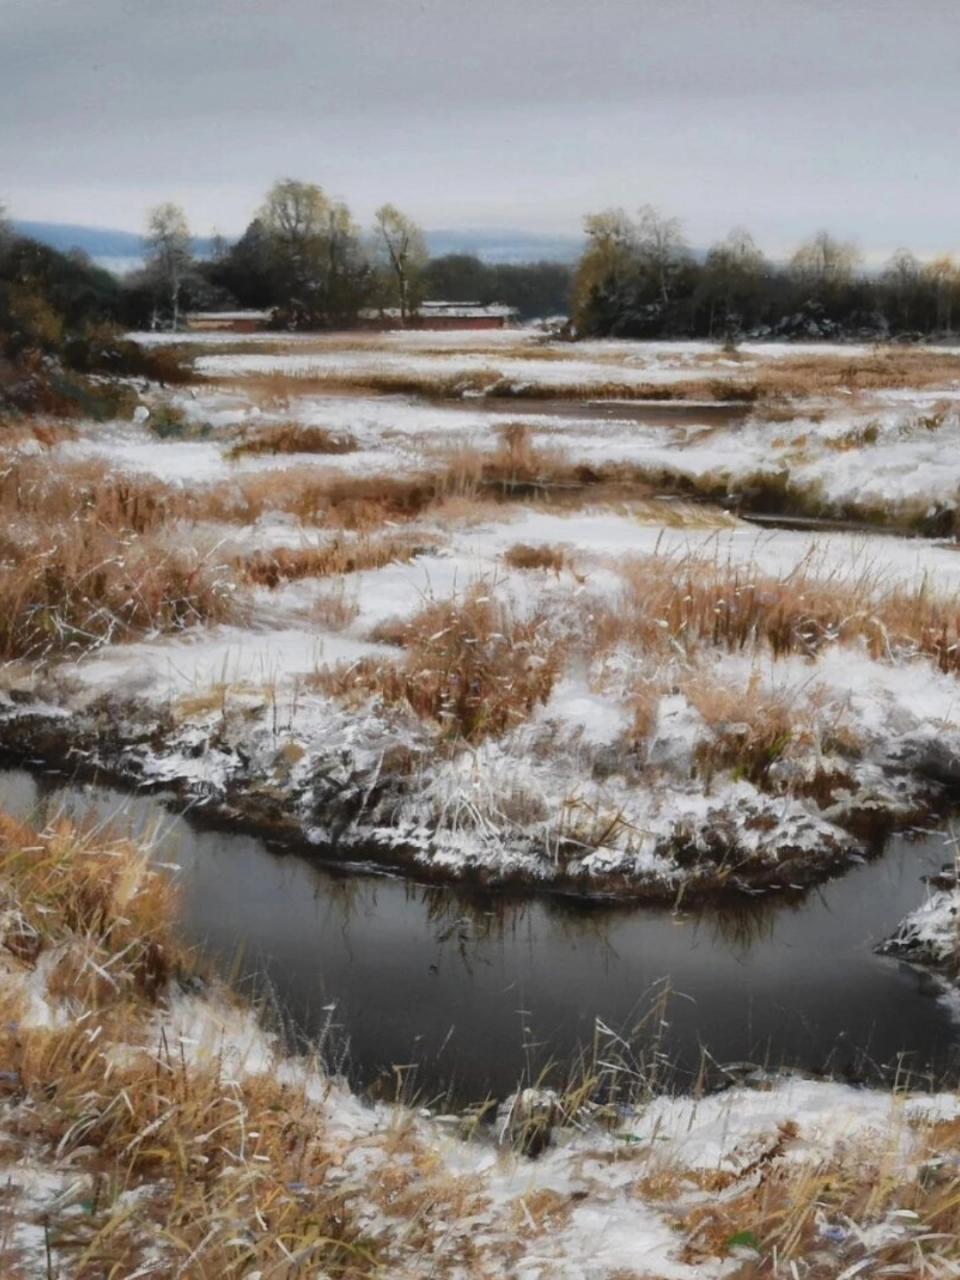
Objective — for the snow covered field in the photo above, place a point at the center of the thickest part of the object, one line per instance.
(534, 648)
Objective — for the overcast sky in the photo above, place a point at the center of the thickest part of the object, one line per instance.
(782, 115)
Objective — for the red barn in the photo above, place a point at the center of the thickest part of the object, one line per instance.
(228, 321)
(442, 315)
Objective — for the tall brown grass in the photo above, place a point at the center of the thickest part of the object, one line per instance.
(469, 666)
(858, 1208)
(89, 556)
(339, 556)
(522, 556)
(293, 437)
(669, 603)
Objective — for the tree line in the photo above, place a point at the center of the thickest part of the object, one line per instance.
(638, 278)
(61, 321)
(304, 258)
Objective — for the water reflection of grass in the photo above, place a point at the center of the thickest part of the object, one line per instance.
(740, 926)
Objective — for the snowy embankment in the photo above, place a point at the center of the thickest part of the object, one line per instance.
(579, 793)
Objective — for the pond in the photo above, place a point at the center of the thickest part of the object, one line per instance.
(464, 994)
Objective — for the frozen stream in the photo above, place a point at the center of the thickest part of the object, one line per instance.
(477, 988)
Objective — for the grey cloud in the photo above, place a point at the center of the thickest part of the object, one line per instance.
(495, 110)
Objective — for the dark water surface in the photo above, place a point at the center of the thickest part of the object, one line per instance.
(477, 988)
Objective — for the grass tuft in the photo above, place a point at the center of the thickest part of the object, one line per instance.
(293, 437)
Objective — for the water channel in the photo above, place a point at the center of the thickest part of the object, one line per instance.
(465, 993)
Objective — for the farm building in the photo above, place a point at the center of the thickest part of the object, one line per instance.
(442, 315)
(227, 321)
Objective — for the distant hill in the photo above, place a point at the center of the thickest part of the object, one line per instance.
(506, 245)
(121, 250)
(104, 244)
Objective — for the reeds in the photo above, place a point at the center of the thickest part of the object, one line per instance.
(89, 557)
(470, 666)
(293, 437)
(338, 556)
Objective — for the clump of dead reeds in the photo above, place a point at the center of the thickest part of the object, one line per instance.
(470, 666)
(68, 588)
(94, 903)
(522, 556)
(338, 556)
(293, 437)
(683, 604)
(750, 729)
(86, 558)
(851, 1210)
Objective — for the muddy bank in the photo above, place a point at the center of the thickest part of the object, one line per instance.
(346, 804)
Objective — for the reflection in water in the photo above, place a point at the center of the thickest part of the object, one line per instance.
(741, 924)
(466, 992)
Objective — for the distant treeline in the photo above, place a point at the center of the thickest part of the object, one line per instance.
(305, 260)
(61, 320)
(638, 278)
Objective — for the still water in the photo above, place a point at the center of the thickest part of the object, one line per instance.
(465, 993)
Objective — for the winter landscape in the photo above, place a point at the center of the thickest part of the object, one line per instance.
(479, 719)
(688, 641)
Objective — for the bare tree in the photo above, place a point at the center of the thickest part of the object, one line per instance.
(823, 263)
(168, 254)
(402, 242)
(943, 276)
(661, 249)
(295, 215)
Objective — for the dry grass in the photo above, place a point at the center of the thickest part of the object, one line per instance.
(469, 666)
(95, 904)
(64, 589)
(87, 492)
(774, 379)
(336, 609)
(86, 558)
(339, 556)
(671, 605)
(293, 437)
(513, 471)
(854, 1211)
(522, 556)
(751, 729)
(334, 500)
(776, 742)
